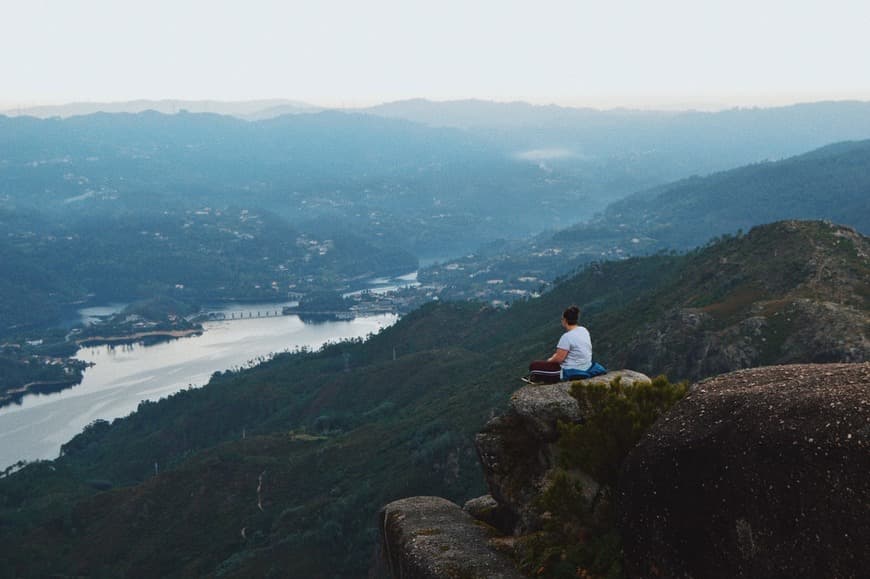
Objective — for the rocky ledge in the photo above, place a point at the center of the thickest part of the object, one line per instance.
(756, 473)
(427, 537)
(517, 449)
(432, 538)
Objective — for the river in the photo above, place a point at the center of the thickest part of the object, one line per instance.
(122, 376)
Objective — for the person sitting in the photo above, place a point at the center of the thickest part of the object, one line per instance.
(573, 357)
(574, 350)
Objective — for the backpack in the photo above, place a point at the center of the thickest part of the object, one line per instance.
(595, 369)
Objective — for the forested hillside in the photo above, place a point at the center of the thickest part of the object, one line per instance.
(829, 183)
(281, 468)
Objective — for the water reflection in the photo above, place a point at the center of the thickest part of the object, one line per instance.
(124, 375)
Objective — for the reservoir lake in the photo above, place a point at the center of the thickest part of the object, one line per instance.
(122, 376)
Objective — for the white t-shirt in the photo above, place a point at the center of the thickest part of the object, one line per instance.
(579, 346)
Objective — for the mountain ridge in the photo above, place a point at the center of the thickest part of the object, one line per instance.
(250, 109)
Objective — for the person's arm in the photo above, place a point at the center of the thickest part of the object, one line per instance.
(559, 356)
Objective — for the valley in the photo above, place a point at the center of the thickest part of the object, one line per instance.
(353, 426)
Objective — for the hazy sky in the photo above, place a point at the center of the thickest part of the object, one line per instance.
(354, 52)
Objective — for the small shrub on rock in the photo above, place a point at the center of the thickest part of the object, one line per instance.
(617, 418)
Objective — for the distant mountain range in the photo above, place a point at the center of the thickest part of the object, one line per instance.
(249, 110)
(429, 190)
(281, 468)
(487, 171)
(623, 149)
(821, 120)
(665, 145)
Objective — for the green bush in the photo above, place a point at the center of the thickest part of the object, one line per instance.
(617, 418)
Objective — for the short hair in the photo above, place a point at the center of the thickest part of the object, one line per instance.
(572, 315)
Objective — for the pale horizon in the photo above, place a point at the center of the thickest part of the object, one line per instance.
(615, 103)
(669, 55)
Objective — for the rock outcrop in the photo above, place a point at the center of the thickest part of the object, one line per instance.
(427, 537)
(517, 449)
(692, 343)
(487, 510)
(757, 473)
(432, 538)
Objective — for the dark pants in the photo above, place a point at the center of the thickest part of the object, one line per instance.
(543, 371)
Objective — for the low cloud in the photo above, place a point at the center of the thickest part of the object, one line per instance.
(547, 154)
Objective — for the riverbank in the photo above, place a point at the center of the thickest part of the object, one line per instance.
(149, 337)
(15, 395)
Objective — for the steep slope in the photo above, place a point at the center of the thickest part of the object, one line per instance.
(790, 292)
(281, 468)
